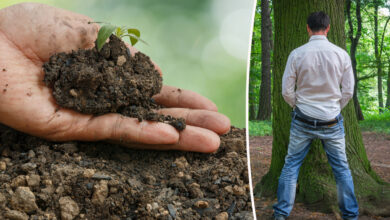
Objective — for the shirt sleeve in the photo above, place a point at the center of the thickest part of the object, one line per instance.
(288, 81)
(347, 83)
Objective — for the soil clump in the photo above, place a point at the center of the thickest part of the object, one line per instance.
(107, 81)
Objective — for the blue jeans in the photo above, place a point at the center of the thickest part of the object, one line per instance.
(332, 137)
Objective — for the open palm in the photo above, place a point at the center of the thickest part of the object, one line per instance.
(29, 34)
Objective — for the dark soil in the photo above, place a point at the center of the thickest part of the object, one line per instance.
(83, 180)
(109, 80)
(378, 152)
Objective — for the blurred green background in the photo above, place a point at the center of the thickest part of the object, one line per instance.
(200, 45)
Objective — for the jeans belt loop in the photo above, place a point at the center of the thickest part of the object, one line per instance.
(294, 114)
(315, 123)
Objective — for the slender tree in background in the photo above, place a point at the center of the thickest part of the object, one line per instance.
(255, 63)
(354, 43)
(378, 60)
(378, 51)
(252, 72)
(316, 184)
(388, 84)
(265, 109)
(380, 56)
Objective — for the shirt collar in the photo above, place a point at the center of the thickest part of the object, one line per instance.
(318, 37)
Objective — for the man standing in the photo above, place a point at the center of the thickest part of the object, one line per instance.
(311, 85)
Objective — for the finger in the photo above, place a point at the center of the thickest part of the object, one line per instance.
(174, 97)
(210, 120)
(192, 138)
(133, 50)
(41, 30)
(198, 140)
(123, 129)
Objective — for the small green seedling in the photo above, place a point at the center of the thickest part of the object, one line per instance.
(108, 29)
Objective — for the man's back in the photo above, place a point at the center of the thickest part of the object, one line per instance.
(319, 68)
(311, 82)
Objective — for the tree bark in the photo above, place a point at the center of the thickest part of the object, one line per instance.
(252, 107)
(354, 44)
(381, 50)
(316, 184)
(378, 57)
(388, 87)
(265, 108)
(254, 73)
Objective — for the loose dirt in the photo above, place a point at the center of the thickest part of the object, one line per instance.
(83, 180)
(110, 80)
(378, 152)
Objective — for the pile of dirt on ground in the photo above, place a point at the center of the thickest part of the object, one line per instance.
(84, 180)
(107, 81)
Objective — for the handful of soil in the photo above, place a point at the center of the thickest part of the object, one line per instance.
(107, 81)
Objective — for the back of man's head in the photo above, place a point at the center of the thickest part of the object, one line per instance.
(318, 21)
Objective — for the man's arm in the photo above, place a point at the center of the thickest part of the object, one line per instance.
(288, 81)
(347, 83)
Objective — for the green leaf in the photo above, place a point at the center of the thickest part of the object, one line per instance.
(104, 33)
(118, 31)
(134, 35)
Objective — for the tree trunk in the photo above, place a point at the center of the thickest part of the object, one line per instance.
(378, 60)
(381, 50)
(252, 107)
(254, 72)
(388, 87)
(265, 109)
(354, 44)
(316, 184)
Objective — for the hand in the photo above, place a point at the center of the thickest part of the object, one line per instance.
(30, 33)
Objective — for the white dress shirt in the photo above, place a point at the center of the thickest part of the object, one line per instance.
(313, 76)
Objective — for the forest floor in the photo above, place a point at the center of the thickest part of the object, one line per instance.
(378, 151)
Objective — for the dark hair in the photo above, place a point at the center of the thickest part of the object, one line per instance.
(318, 21)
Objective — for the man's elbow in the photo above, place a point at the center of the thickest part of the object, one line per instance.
(348, 96)
(285, 95)
(290, 99)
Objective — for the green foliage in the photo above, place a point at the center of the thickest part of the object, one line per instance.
(260, 128)
(131, 32)
(365, 56)
(255, 62)
(376, 122)
(106, 31)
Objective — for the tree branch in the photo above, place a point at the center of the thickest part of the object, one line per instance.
(372, 75)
